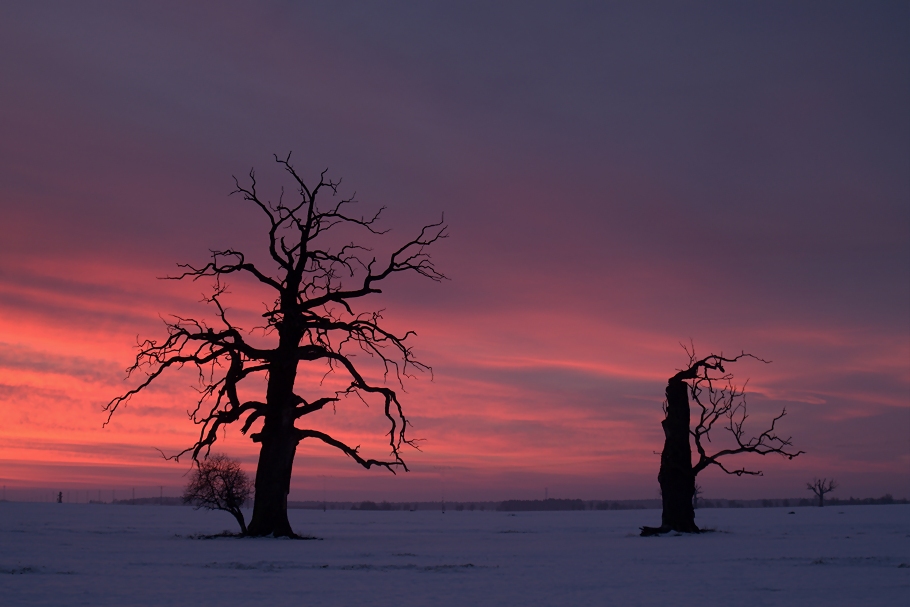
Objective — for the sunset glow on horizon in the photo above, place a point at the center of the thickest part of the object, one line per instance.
(627, 183)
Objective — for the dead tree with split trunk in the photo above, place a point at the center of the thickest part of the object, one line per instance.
(718, 399)
(316, 280)
(820, 488)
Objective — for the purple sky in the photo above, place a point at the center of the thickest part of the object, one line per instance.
(617, 178)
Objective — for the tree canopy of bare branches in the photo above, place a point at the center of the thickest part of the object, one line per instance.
(720, 404)
(218, 483)
(316, 285)
(821, 487)
(720, 400)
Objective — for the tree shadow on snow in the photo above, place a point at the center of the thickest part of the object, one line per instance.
(229, 534)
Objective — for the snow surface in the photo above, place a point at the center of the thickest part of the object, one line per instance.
(83, 554)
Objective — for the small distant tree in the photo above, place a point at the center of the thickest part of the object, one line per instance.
(218, 483)
(695, 495)
(820, 488)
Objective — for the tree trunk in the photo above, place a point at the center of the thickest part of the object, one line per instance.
(676, 477)
(273, 482)
(276, 457)
(239, 516)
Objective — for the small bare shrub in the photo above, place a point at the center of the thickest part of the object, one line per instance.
(218, 483)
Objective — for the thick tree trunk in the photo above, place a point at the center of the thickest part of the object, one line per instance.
(676, 477)
(276, 457)
(273, 482)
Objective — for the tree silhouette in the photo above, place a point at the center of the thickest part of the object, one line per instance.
(218, 483)
(820, 488)
(712, 389)
(316, 284)
(696, 493)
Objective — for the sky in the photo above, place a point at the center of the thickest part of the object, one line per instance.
(618, 178)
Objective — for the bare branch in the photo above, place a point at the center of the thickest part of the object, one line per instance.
(353, 452)
(712, 389)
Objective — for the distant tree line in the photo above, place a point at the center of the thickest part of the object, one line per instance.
(150, 501)
(528, 505)
(540, 505)
(800, 502)
(369, 505)
(868, 501)
(551, 504)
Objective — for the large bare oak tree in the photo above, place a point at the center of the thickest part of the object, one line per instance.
(719, 400)
(316, 284)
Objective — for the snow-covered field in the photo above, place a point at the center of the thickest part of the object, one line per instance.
(82, 554)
